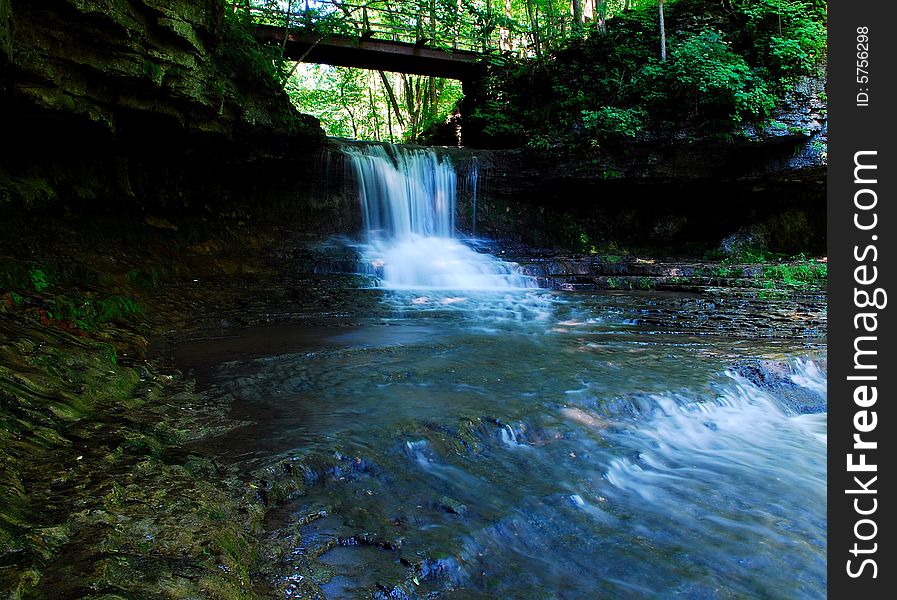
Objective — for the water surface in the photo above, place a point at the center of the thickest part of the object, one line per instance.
(465, 434)
(528, 444)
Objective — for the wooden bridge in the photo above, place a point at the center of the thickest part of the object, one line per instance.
(373, 35)
(366, 53)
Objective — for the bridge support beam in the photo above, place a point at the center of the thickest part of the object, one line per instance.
(367, 53)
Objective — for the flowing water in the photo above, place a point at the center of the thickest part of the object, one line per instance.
(469, 435)
(408, 201)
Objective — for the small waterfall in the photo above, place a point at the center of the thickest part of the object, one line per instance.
(473, 175)
(408, 201)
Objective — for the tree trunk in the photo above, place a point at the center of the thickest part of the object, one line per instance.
(663, 35)
(577, 12)
(432, 20)
(286, 28)
(342, 96)
(412, 104)
(374, 114)
(531, 9)
(392, 98)
(389, 122)
(434, 97)
(504, 34)
(550, 33)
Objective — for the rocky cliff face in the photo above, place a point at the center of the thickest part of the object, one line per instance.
(153, 106)
(107, 61)
(5, 34)
(682, 190)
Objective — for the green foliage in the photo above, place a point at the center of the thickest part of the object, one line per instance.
(743, 255)
(706, 73)
(153, 71)
(79, 308)
(144, 279)
(572, 233)
(792, 31)
(551, 80)
(614, 122)
(241, 54)
(41, 277)
(727, 63)
(498, 123)
(25, 277)
(726, 272)
(39, 280)
(356, 103)
(540, 142)
(797, 274)
(88, 314)
(110, 353)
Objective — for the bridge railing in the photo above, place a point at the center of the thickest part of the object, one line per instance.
(429, 23)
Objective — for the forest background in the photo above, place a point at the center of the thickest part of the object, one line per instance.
(558, 71)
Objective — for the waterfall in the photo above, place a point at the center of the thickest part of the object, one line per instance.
(473, 175)
(408, 200)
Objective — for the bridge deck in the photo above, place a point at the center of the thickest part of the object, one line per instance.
(364, 53)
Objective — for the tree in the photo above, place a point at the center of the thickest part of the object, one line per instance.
(663, 34)
(601, 9)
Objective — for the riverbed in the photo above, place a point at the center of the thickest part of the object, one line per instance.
(533, 444)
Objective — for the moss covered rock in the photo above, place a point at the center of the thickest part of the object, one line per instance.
(5, 33)
(166, 58)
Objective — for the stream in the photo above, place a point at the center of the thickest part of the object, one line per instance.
(464, 433)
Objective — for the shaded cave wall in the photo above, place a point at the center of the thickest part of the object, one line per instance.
(150, 107)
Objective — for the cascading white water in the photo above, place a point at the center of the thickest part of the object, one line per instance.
(408, 200)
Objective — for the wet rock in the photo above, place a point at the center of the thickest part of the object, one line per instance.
(752, 239)
(99, 477)
(450, 505)
(778, 379)
(5, 34)
(163, 58)
(667, 228)
(391, 593)
(578, 415)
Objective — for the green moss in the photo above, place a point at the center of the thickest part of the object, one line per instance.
(613, 283)
(5, 33)
(725, 272)
(153, 71)
(40, 277)
(791, 232)
(144, 279)
(88, 314)
(797, 274)
(242, 54)
(26, 581)
(39, 280)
